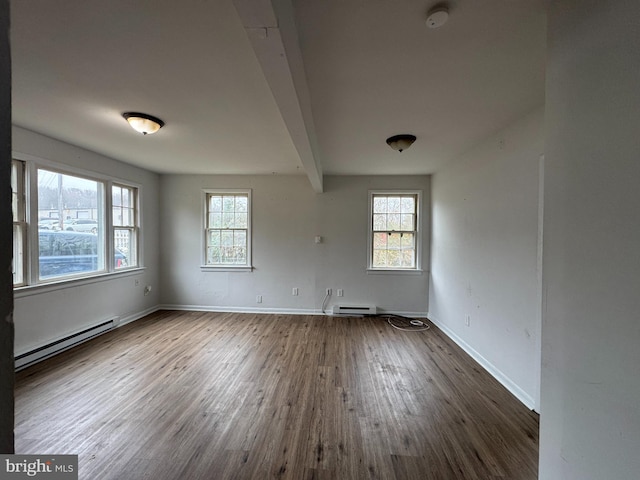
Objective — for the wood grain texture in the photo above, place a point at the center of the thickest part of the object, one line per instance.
(195, 395)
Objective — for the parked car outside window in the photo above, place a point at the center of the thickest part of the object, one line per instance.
(81, 225)
(66, 253)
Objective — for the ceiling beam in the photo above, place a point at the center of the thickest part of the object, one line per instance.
(271, 29)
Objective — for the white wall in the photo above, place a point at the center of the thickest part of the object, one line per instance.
(45, 314)
(590, 424)
(484, 254)
(287, 215)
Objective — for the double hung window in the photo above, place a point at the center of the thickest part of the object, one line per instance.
(394, 240)
(227, 228)
(62, 229)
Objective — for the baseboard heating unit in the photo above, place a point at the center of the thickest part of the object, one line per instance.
(40, 353)
(354, 310)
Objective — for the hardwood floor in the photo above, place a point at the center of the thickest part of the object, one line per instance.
(193, 395)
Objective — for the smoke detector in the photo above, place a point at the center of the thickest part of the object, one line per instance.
(437, 17)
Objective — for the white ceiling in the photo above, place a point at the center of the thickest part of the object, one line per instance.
(253, 86)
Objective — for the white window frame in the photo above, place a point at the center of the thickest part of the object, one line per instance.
(31, 249)
(206, 193)
(134, 229)
(21, 221)
(417, 269)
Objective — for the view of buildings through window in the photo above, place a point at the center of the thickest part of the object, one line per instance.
(74, 233)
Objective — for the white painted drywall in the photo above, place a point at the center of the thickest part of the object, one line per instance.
(484, 253)
(590, 423)
(45, 315)
(287, 215)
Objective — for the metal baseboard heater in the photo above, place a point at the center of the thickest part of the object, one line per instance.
(354, 310)
(37, 354)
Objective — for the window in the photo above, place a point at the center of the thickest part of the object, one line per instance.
(227, 228)
(394, 243)
(74, 237)
(19, 222)
(125, 225)
(74, 243)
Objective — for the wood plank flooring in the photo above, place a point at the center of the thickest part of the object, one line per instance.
(194, 395)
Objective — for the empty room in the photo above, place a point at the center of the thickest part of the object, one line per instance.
(341, 239)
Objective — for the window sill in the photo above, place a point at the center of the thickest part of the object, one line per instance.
(52, 286)
(391, 271)
(226, 268)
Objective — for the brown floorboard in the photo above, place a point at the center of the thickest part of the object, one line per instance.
(200, 395)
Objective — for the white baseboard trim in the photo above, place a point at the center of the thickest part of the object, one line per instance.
(272, 311)
(228, 309)
(520, 394)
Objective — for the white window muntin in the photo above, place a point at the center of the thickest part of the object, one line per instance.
(403, 231)
(227, 229)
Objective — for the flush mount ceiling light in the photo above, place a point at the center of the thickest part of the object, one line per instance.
(438, 16)
(143, 123)
(401, 142)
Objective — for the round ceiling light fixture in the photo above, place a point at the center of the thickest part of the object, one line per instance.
(401, 142)
(143, 123)
(438, 16)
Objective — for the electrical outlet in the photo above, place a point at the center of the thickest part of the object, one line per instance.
(294, 292)
(136, 282)
(147, 290)
(467, 320)
(258, 298)
(340, 292)
(328, 291)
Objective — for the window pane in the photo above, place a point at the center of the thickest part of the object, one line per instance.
(379, 222)
(214, 238)
(380, 240)
(227, 238)
(124, 248)
(128, 217)
(215, 204)
(16, 190)
(242, 204)
(394, 258)
(394, 204)
(408, 205)
(408, 258)
(127, 197)
(117, 216)
(379, 204)
(213, 255)
(240, 238)
(215, 220)
(379, 258)
(241, 220)
(228, 204)
(75, 243)
(394, 241)
(116, 196)
(68, 253)
(407, 241)
(393, 221)
(228, 220)
(18, 255)
(406, 221)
